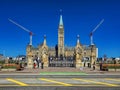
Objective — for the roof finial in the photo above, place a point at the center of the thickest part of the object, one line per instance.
(78, 39)
(44, 36)
(61, 11)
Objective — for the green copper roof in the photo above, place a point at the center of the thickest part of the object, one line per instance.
(61, 21)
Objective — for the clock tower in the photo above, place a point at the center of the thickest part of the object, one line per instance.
(61, 38)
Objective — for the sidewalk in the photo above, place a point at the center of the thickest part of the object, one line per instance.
(62, 71)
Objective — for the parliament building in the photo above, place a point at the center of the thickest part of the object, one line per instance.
(79, 53)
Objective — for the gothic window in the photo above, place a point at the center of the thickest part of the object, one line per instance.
(61, 32)
(60, 49)
(79, 50)
(61, 41)
(44, 51)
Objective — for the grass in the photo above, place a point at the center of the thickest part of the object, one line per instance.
(62, 73)
(113, 67)
(8, 67)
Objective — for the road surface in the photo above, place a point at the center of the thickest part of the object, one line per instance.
(59, 83)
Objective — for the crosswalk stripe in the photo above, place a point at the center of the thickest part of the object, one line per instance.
(18, 82)
(53, 81)
(103, 83)
(112, 79)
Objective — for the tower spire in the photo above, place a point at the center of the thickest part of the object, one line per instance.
(61, 20)
(44, 40)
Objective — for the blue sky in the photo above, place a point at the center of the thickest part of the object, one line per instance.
(42, 17)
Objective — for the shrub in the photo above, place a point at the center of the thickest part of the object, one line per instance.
(5, 66)
(2, 61)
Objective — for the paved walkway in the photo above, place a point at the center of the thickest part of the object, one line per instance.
(63, 70)
(51, 69)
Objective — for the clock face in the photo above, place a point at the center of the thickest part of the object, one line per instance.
(61, 31)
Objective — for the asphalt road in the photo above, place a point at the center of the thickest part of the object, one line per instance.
(59, 83)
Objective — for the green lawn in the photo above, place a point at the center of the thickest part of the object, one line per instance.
(62, 73)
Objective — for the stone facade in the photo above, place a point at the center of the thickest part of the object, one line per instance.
(30, 60)
(44, 53)
(80, 52)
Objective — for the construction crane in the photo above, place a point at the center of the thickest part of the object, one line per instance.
(25, 29)
(91, 34)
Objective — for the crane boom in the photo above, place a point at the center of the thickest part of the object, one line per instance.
(91, 34)
(25, 29)
(98, 26)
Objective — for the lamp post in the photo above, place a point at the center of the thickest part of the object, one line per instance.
(91, 57)
(84, 58)
(92, 61)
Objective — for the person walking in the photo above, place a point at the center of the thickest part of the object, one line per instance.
(38, 61)
(42, 65)
(94, 66)
(100, 66)
(34, 64)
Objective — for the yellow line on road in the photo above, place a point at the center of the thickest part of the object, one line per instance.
(53, 81)
(7, 85)
(62, 85)
(103, 83)
(17, 82)
(49, 85)
(112, 79)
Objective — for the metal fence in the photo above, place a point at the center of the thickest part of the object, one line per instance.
(61, 63)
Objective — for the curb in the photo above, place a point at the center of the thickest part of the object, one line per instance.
(57, 76)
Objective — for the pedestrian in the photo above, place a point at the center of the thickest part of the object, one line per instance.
(94, 66)
(42, 65)
(34, 65)
(84, 64)
(100, 66)
(37, 60)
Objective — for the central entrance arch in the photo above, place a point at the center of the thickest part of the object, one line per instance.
(61, 62)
